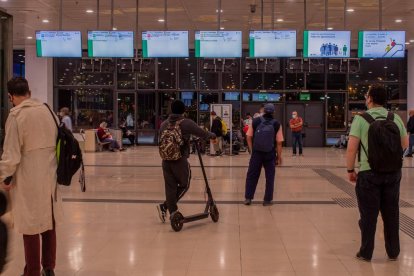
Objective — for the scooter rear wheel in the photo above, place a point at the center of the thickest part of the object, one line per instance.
(214, 213)
(177, 222)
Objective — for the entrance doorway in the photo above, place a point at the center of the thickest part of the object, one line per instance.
(313, 123)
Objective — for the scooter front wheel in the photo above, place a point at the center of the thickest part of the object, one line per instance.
(177, 222)
(214, 213)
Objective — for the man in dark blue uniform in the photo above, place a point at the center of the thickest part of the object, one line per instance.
(264, 139)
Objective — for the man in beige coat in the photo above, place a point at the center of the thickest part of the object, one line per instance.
(30, 158)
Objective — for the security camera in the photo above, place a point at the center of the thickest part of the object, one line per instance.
(252, 8)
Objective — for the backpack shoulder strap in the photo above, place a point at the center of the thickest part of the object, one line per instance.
(390, 117)
(53, 115)
(367, 117)
(262, 119)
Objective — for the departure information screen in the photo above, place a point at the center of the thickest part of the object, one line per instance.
(381, 44)
(218, 44)
(111, 44)
(165, 44)
(327, 44)
(272, 44)
(58, 44)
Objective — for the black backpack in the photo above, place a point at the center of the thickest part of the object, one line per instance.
(264, 135)
(384, 144)
(69, 156)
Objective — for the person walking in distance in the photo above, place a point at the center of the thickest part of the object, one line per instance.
(64, 113)
(174, 148)
(379, 136)
(264, 139)
(29, 157)
(410, 129)
(296, 125)
(217, 129)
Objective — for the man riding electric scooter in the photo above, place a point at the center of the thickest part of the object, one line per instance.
(174, 148)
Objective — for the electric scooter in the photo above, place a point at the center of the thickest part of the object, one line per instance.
(178, 220)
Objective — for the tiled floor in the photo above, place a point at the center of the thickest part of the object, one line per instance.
(113, 228)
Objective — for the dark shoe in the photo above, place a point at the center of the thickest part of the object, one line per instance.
(267, 203)
(162, 212)
(393, 259)
(48, 272)
(359, 257)
(409, 155)
(122, 149)
(247, 202)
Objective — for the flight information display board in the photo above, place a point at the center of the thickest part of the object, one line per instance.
(381, 44)
(327, 44)
(111, 44)
(165, 44)
(59, 44)
(269, 44)
(218, 44)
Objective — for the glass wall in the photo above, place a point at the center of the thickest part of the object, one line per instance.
(92, 87)
(6, 65)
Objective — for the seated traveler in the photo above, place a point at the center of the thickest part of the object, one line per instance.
(106, 137)
(127, 133)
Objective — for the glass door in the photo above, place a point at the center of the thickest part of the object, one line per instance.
(147, 120)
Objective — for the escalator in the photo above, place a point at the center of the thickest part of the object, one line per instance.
(394, 50)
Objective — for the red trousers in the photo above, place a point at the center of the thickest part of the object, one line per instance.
(32, 252)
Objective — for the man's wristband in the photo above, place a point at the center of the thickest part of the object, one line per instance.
(351, 171)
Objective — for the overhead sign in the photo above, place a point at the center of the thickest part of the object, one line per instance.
(327, 44)
(381, 44)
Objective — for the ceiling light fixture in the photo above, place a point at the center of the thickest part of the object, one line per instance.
(114, 29)
(29, 37)
(280, 20)
(221, 11)
(350, 10)
(161, 20)
(89, 11)
(221, 28)
(398, 20)
(330, 29)
(412, 40)
(45, 20)
(407, 43)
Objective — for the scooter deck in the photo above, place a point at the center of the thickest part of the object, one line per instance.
(195, 217)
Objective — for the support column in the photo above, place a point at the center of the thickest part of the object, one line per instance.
(39, 74)
(410, 77)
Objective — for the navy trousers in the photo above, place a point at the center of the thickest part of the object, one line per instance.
(257, 161)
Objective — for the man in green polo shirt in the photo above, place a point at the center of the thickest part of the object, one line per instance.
(376, 192)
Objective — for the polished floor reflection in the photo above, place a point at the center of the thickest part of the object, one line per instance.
(113, 228)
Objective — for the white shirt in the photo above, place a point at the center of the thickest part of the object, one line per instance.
(68, 122)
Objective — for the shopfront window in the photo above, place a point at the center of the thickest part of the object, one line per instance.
(273, 81)
(89, 107)
(190, 101)
(336, 111)
(145, 69)
(167, 73)
(206, 100)
(233, 98)
(253, 81)
(188, 73)
(146, 114)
